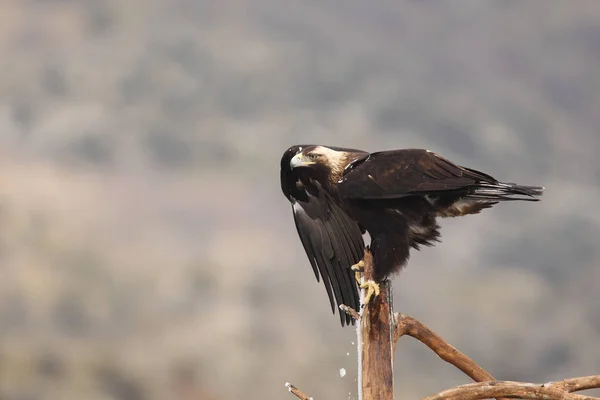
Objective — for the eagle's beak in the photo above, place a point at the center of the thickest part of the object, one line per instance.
(299, 161)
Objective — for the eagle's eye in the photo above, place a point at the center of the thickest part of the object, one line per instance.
(313, 156)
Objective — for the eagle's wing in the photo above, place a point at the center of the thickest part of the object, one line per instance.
(333, 243)
(397, 173)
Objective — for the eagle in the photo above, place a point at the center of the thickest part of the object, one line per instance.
(337, 194)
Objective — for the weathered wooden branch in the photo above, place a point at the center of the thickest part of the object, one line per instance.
(406, 325)
(350, 311)
(375, 345)
(519, 390)
(577, 384)
(297, 392)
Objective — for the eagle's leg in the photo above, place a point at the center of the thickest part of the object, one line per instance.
(372, 288)
(358, 269)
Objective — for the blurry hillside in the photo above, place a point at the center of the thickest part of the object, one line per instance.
(147, 252)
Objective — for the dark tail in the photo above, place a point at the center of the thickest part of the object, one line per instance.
(505, 192)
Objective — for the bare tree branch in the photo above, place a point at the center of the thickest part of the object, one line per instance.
(577, 384)
(486, 390)
(350, 311)
(406, 325)
(297, 392)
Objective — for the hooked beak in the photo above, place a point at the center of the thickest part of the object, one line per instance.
(299, 161)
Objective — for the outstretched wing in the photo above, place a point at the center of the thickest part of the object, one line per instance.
(397, 173)
(333, 242)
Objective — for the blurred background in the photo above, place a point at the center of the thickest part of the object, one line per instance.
(147, 251)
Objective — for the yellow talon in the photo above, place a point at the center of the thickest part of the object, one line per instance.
(372, 288)
(358, 268)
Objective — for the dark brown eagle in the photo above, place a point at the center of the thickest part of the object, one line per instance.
(337, 194)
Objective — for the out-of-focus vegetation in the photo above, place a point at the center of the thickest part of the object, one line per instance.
(147, 252)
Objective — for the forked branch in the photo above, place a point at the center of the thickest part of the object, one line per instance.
(378, 332)
(487, 387)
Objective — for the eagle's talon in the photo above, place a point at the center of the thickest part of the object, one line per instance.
(358, 269)
(359, 266)
(372, 289)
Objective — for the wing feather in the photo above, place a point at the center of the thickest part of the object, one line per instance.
(330, 239)
(398, 173)
(355, 247)
(342, 253)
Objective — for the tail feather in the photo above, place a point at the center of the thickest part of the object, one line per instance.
(505, 192)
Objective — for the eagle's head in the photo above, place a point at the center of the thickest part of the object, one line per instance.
(302, 165)
(331, 161)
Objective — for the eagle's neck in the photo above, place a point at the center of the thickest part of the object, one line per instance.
(336, 171)
(338, 167)
(336, 162)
